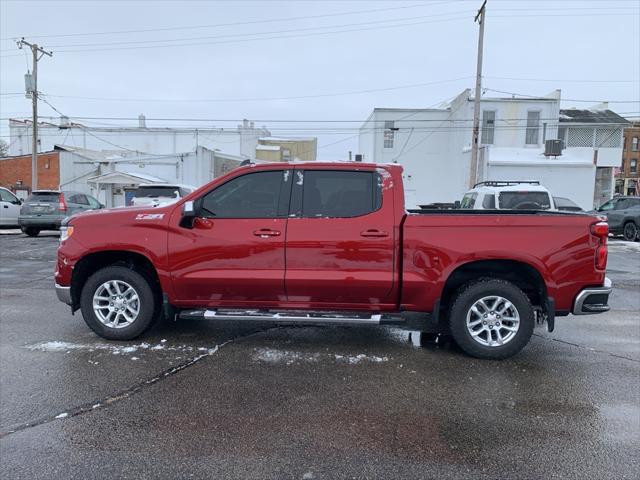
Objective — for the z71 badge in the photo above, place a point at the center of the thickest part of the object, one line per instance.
(149, 216)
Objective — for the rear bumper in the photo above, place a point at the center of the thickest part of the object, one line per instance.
(593, 300)
(42, 221)
(64, 294)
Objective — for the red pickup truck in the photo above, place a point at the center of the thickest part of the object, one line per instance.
(332, 243)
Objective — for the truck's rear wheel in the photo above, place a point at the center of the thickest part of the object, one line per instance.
(491, 319)
(118, 303)
(31, 231)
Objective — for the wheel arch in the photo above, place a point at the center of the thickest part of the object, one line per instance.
(95, 261)
(524, 275)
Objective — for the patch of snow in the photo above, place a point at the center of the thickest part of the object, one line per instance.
(62, 415)
(134, 358)
(288, 357)
(59, 346)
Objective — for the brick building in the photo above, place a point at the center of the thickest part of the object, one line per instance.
(628, 176)
(15, 172)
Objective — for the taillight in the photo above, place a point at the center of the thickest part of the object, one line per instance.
(601, 257)
(62, 205)
(601, 230)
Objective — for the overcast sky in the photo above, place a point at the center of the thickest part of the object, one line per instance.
(228, 60)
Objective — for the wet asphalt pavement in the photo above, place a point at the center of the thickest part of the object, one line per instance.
(220, 400)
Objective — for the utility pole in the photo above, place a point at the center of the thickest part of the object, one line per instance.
(37, 55)
(475, 141)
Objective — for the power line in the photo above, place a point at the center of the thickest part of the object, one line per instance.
(250, 22)
(275, 37)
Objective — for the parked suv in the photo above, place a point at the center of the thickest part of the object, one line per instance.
(159, 194)
(9, 208)
(45, 209)
(508, 195)
(623, 214)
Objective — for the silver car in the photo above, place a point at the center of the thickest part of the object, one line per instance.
(45, 209)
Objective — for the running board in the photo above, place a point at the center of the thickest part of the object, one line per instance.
(298, 317)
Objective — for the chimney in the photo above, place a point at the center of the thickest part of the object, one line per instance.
(245, 123)
(142, 121)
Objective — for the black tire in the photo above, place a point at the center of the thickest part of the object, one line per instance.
(471, 293)
(31, 231)
(630, 231)
(149, 307)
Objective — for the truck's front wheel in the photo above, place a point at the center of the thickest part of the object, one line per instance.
(118, 303)
(491, 319)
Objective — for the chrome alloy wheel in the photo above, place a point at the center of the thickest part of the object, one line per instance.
(116, 304)
(493, 321)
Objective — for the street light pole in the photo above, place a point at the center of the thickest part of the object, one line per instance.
(35, 50)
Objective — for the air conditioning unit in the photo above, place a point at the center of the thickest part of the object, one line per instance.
(359, 157)
(553, 148)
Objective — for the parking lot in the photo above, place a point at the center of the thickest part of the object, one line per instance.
(224, 400)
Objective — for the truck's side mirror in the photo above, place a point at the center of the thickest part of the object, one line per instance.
(188, 209)
(456, 204)
(188, 214)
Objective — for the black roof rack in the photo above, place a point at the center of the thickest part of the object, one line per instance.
(505, 183)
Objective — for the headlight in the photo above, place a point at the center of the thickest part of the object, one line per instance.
(65, 232)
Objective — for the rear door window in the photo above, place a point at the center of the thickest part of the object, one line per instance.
(525, 200)
(489, 202)
(44, 197)
(336, 193)
(79, 199)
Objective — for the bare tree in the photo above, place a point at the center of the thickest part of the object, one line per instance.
(4, 148)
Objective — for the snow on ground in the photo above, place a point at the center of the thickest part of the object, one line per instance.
(10, 231)
(289, 357)
(623, 245)
(115, 349)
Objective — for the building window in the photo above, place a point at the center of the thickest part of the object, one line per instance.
(634, 144)
(533, 128)
(389, 134)
(488, 127)
(633, 165)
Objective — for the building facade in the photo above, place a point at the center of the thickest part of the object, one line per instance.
(434, 147)
(628, 175)
(279, 149)
(239, 141)
(15, 172)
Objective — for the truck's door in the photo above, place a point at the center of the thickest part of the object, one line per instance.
(340, 238)
(233, 255)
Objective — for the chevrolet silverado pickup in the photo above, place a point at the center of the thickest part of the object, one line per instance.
(332, 243)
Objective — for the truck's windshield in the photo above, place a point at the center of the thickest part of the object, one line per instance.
(524, 200)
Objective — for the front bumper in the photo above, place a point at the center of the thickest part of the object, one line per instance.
(593, 300)
(64, 294)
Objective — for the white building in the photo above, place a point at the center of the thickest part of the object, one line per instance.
(240, 141)
(434, 147)
(112, 175)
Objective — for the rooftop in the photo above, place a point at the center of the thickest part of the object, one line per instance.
(579, 115)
